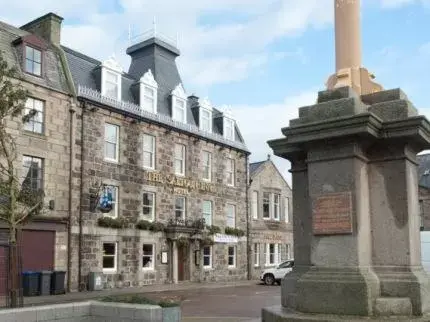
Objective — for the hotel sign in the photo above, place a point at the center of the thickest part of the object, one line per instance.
(179, 184)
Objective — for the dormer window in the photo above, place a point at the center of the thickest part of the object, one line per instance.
(148, 92)
(205, 115)
(179, 104)
(228, 128)
(111, 79)
(33, 61)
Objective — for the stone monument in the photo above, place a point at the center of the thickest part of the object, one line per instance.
(355, 197)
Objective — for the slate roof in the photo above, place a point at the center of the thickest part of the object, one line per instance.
(424, 170)
(152, 54)
(253, 167)
(53, 74)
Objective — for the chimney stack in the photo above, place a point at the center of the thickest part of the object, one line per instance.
(47, 27)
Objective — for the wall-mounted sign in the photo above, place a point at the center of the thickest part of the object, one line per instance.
(175, 181)
(164, 257)
(332, 214)
(222, 238)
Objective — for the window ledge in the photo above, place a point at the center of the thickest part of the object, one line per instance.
(111, 161)
(149, 269)
(148, 168)
(36, 135)
(109, 271)
(208, 268)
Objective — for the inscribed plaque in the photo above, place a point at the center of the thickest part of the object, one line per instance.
(332, 214)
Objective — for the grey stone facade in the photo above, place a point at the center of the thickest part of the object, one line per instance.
(271, 232)
(50, 145)
(132, 180)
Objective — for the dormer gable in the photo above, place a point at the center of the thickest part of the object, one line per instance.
(111, 72)
(148, 92)
(205, 115)
(179, 104)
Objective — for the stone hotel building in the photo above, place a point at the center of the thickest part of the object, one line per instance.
(167, 160)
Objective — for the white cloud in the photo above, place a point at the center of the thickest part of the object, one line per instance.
(258, 124)
(394, 4)
(207, 50)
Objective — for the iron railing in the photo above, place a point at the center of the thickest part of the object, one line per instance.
(132, 108)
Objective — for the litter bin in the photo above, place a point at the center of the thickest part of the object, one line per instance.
(45, 282)
(57, 282)
(30, 283)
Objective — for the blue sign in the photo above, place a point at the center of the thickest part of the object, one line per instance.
(106, 200)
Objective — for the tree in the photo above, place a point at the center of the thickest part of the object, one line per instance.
(19, 199)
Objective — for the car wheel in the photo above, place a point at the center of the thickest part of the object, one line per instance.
(269, 279)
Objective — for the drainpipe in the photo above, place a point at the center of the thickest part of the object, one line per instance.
(70, 205)
(81, 191)
(248, 233)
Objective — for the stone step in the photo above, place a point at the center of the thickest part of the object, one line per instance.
(393, 306)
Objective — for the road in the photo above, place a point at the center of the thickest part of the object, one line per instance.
(228, 304)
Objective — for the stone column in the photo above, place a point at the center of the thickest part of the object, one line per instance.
(175, 261)
(347, 34)
(395, 213)
(356, 214)
(302, 225)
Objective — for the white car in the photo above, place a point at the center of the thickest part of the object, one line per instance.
(276, 274)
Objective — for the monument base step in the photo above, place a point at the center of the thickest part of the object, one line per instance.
(281, 314)
(390, 306)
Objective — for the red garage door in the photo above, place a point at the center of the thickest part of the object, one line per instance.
(37, 249)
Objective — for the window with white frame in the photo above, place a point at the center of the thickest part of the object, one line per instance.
(111, 142)
(207, 166)
(34, 108)
(254, 205)
(231, 215)
(180, 207)
(205, 120)
(33, 61)
(279, 255)
(148, 151)
(180, 159)
(111, 84)
(148, 206)
(148, 99)
(148, 92)
(276, 206)
(179, 104)
(109, 257)
(272, 254)
(231, 256)
(287, 251)
(111, 79)
(207, 256)
(207, 212)
(179, 112)
(113, 190)
(256, 255)
(229, 129)
(266, 205)
(148, 257)
(32, 173)
(230, 171)
(287, 209)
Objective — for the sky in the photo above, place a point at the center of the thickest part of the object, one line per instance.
(262, 58)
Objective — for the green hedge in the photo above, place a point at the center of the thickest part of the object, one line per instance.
(109, 222)
(139, 299)
(234, 232)
(151, 226)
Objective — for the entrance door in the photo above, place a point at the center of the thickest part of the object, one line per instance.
(183, 266)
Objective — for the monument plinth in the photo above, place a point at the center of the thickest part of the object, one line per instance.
(355, 205)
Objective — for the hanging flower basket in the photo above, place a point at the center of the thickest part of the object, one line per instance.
(183, 241)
